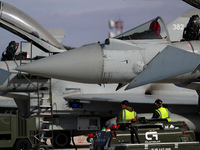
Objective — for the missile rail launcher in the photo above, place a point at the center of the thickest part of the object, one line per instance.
(153, 134)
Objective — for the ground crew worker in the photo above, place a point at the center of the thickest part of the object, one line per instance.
(161, 112)
(127, 113)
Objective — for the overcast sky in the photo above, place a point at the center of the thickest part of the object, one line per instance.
(86, 21)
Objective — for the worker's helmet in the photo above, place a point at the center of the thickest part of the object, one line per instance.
(158, 101)
(125, 102)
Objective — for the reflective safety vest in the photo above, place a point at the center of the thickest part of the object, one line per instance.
(163, 113)
(127, 115)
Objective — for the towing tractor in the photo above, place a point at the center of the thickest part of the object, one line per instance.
(18, 133)
(152, 134)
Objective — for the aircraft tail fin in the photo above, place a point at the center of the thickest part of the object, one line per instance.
(177, 26)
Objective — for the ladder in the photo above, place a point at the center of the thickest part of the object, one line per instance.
(45, 112)
(44, 102)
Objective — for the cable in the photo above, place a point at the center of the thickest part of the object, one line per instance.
(72, 135)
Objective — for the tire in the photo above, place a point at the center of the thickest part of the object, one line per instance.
(62, 140)
(22, 144)
(41, 147)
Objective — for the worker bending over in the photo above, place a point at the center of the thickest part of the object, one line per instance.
(161, 112)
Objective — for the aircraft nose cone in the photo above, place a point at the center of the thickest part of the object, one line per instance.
(84, 64)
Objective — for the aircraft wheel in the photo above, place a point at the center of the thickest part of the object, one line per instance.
(22, 144)
(62, 140)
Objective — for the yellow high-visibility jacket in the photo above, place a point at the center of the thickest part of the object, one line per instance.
(128, 115)
(163, 113)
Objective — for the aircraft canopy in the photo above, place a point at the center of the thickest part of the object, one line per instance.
(21, 24)
(153, 29)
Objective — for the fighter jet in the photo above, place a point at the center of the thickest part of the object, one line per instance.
(142, 55)
(85, 107)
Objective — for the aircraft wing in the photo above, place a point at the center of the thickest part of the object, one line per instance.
(195, 3)
(137, 99)
(170, 62)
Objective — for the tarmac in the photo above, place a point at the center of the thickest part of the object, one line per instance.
(80, 142)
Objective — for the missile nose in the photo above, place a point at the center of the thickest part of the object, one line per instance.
(84, 64)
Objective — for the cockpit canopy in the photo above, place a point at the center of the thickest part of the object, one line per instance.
(153, 29)
(19, 23)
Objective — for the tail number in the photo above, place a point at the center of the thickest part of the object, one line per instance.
(178, 26)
